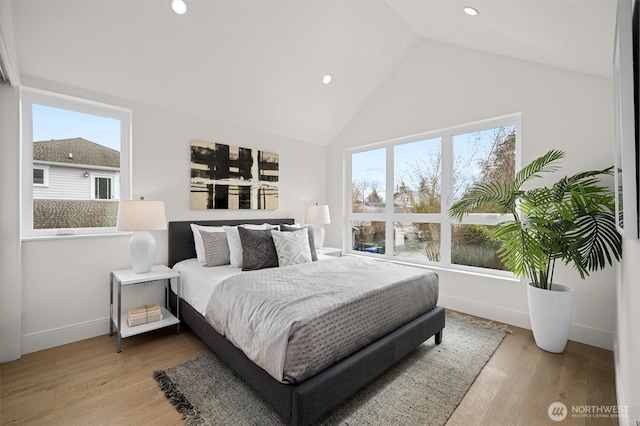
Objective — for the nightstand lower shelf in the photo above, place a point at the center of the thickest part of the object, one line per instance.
(127, 277)
(167, 319)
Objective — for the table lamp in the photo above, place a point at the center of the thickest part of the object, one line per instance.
(316, 216)
(141, 216)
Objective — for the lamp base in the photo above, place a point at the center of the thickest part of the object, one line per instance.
(318, 236)
(142, 251)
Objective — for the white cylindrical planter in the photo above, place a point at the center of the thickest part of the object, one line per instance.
(550, 312)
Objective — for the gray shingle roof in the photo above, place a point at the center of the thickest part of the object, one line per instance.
(83, 152)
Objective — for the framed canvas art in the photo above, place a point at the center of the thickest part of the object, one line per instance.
(232, 177)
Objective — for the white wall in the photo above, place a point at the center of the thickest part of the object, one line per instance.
(440, 86)
(10, 287)
(65, 281)
(10, 294)
(627, 338)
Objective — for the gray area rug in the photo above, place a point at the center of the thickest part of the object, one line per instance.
(422, 389)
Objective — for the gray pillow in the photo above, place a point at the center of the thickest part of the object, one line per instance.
(216, 248)
(312, 244)
(258, 250)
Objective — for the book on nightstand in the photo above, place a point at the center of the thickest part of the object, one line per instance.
(143, 314)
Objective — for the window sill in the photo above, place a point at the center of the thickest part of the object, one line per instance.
(441, 268)
(73, 236)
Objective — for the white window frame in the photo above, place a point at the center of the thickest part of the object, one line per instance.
(30, 96)
(389, 217)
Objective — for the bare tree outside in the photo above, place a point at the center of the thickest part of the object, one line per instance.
(493, 160)
(483, 156)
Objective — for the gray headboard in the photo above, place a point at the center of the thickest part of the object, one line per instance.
(181, 245)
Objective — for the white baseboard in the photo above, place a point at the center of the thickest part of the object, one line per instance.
(620, 397)
(61, 336)
(591, 336)
(578, 333)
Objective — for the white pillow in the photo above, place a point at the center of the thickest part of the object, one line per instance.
(292, 247)
(197, 238)
(235, 246)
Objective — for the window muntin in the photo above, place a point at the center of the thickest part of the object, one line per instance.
(84, 149)
(435, 169)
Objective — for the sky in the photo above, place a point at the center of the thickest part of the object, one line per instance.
(371, 165)
(55, 123)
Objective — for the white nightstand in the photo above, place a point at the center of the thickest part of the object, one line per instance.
(330, 251)
(125, 277)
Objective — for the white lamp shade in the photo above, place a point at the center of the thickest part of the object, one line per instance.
(317, 215)
(141, 215)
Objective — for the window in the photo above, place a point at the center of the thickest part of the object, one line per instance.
(40, 175)
(76, 164)
(401, 190)
(102, 188)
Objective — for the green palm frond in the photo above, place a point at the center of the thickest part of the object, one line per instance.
(483, 194)
(599, 241)
(543, 164)
(588, 181)
(522, 251)
(572, 221)
(505, 196)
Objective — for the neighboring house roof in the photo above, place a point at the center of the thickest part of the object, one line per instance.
(82, 152)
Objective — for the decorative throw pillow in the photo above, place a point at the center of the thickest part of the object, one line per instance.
(197, 239)
(312, 244)
(292, 247)
(216, 248)
(235, 245)
(258, 251)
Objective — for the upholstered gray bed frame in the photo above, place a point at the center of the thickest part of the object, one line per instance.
(303, 403)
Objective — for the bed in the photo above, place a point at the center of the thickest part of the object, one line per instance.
(304, 402)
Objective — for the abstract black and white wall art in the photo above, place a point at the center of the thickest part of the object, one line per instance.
(231, 177)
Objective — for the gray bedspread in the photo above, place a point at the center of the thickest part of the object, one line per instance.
(295, 321)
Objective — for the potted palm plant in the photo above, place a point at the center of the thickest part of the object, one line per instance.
(572, 221)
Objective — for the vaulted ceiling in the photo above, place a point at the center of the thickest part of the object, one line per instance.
(259, 64)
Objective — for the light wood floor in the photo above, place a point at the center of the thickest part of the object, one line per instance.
(88, 383)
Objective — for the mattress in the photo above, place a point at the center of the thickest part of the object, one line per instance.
(295, 321)
(197, 282)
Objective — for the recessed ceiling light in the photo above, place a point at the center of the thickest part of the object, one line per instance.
(179, 6)
(471, 11)
(326, 79)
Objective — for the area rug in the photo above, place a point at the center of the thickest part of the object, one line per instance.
(424, 388)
